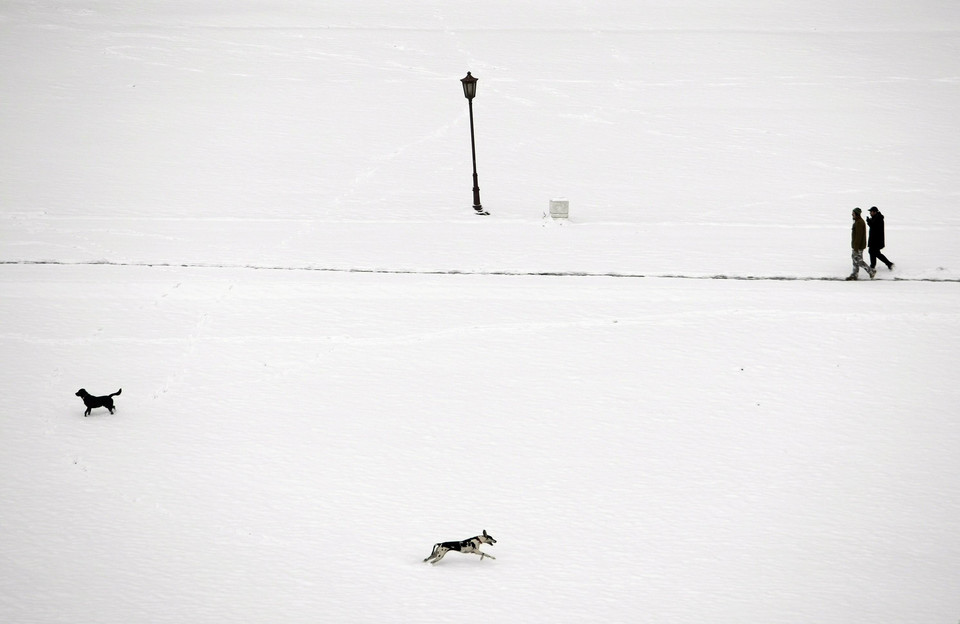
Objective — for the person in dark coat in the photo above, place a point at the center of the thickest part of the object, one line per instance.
(858, 242)
(875, 243)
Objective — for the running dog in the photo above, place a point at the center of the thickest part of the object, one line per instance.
(91, 401)
(471, 545)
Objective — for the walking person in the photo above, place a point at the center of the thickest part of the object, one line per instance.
(875, 242)
(858, 242)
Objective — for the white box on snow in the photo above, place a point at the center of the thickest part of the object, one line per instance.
(559, 208)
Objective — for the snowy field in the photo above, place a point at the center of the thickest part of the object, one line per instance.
(256, 219)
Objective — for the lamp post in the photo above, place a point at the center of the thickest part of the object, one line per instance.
(469, 92)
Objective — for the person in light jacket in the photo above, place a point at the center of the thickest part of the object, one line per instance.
(858, 242)
(875, 241)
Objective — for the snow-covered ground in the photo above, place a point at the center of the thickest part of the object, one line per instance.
(255, 218)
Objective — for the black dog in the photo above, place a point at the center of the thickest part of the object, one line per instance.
(91, 401)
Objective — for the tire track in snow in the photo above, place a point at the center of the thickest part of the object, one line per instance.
(505, 273)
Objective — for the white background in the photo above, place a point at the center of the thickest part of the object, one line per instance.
(256, 218)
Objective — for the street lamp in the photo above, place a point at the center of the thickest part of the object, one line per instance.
(469, 92)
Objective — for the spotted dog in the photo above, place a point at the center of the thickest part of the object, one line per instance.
(471, 545)
(94, 401)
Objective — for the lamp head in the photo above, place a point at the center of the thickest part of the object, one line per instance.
(469, 86)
